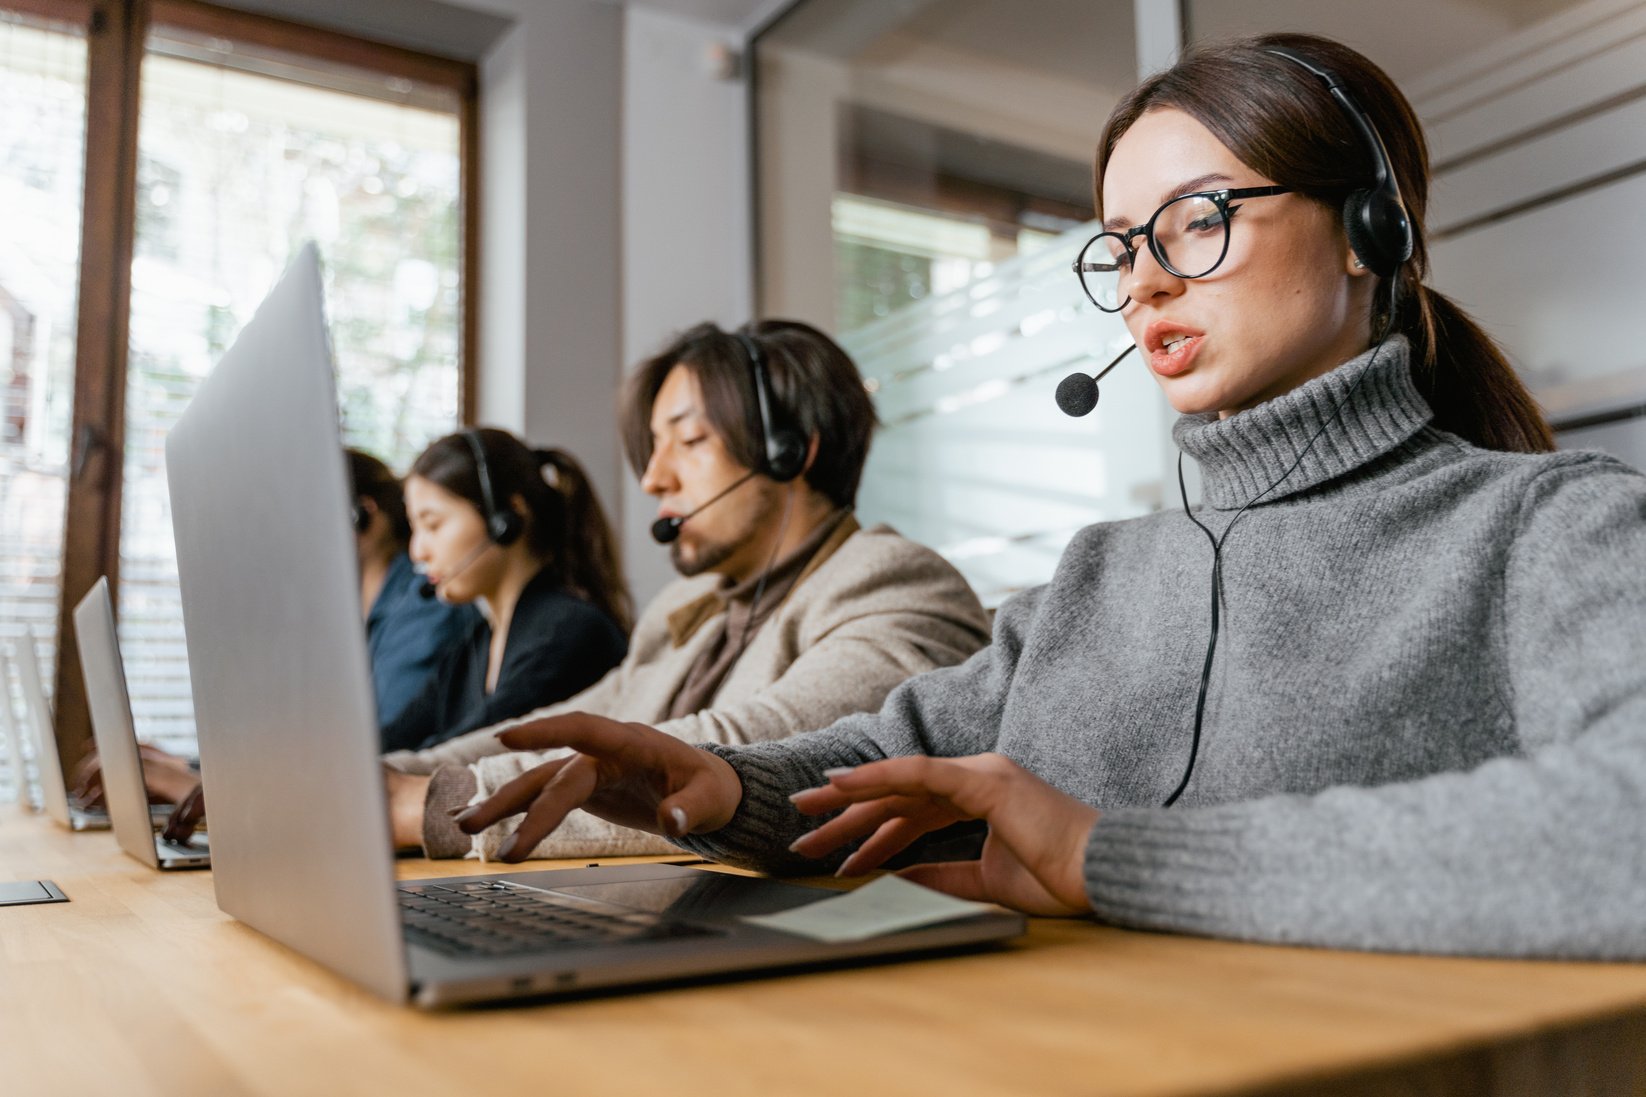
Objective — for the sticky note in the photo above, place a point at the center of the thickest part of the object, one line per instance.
(888, 905)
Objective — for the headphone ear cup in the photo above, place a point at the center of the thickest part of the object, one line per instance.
(1378, 230)
(504, 527)
(360, 518)
(785, 455)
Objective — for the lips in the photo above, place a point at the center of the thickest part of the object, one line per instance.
(1172, 347)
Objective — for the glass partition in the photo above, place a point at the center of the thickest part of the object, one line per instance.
(924, 184)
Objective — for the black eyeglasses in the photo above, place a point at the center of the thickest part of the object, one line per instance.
(1189, 236)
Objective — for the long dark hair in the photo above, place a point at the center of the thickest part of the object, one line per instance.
(1281, 122)
(370, 478)
(814, 382)
(568, 527)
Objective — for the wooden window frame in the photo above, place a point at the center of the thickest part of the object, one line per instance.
(117, 35)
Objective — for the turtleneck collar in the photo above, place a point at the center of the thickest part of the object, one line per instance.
(1241, 456)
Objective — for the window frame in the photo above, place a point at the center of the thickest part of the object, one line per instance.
(116, 39)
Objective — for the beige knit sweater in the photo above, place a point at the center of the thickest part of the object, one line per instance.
(877, 610)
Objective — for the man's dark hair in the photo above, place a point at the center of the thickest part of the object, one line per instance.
(815, 384)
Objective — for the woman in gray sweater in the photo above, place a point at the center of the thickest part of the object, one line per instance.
(1385, 688)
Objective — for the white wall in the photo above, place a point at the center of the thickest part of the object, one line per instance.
(1539, 143)
(687, 233)
(549, 290)
(615, 211)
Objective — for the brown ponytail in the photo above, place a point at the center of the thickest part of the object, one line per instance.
(1280, 121)
(1466, 378)
(587, 553)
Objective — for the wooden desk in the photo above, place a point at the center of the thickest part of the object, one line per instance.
(141, 986)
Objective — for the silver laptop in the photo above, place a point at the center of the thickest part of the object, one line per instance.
(288, 741)
(17, 759)
(116, 734)
(48, 764)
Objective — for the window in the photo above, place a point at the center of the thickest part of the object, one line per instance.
(243, 155)
(223, 141)
(42, 149)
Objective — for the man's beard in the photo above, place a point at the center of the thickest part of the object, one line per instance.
(711, 554)
(707, 559)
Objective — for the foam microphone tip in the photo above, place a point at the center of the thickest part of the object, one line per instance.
(1077, 394)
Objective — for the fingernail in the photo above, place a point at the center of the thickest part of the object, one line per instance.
(461, 817)
(794, 796)
(794, 846)
(838, 771)
(506, 850)
(678, 814)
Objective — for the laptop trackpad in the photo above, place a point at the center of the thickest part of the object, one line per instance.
(713, 897)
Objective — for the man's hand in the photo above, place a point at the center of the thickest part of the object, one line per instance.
(1033, 858)
(190, 812)
(628, 774)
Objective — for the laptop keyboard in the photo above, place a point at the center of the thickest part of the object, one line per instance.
(496, 918)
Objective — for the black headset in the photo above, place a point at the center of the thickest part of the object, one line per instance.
(1374, 217)
(503, 523)
(359, 516)
(783, 449)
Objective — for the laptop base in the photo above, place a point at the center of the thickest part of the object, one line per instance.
(694, 931)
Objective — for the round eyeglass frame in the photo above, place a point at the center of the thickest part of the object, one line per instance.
(1219, 198)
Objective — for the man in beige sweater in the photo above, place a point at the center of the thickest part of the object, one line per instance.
(788, 615)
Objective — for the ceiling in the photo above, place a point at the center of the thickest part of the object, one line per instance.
(1069, 39)
(1088, 40)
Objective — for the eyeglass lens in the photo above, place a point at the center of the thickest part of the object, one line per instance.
(1190, 236)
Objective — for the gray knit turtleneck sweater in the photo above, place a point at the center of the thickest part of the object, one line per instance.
(1426, 727)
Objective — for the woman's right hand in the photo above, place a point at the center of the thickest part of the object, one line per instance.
(628, 774)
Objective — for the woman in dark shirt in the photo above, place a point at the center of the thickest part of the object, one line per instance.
(520, 532)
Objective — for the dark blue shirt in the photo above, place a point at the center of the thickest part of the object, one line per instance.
(558, 645)
(407, 635)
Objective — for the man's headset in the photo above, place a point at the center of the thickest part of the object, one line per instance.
(782, 448)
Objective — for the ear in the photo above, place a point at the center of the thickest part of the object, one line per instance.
(517, 503)
(1352, 263)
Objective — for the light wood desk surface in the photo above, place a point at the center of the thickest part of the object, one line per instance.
(140, 985)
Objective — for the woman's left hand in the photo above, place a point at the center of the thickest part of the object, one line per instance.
(1033, 859)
